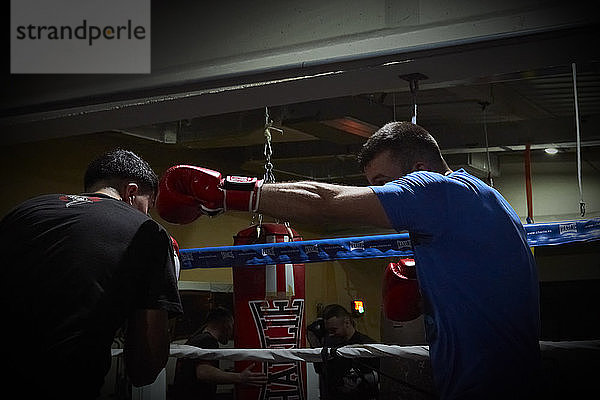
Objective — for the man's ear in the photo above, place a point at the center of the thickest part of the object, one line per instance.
(420, 166)
(129, 191)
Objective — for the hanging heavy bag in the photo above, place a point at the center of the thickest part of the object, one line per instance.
(269, 313)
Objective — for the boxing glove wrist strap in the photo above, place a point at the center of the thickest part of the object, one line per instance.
(241, 193)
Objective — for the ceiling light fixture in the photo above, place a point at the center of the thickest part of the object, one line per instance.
(551, 150)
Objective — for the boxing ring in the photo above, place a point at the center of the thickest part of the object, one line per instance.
(367, 247)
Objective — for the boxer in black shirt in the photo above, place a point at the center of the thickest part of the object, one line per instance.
(75, 269)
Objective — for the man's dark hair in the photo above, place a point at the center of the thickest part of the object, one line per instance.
(117, 166)
(219, 315)
(335, 310)
(410, 143)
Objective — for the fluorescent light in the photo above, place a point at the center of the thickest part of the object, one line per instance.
(551, 150)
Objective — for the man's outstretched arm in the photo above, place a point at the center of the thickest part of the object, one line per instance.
(186, 192)
(317, 202)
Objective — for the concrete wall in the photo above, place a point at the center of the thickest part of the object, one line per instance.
(554, 185)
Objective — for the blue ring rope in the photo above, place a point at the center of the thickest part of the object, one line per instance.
(364, 247)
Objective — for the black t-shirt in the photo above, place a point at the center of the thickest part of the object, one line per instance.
(185, 384)
(75, 267)
(347, 378)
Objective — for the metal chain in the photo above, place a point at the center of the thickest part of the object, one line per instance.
(269, 176)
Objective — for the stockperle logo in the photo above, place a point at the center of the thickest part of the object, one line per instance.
(80, 36)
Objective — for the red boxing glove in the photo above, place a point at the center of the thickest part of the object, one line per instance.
(401, 296)
(186, 192)
(176, 201)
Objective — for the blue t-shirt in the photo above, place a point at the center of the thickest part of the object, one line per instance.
(478, 279)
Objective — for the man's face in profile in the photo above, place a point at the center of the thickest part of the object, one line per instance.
(384, 168)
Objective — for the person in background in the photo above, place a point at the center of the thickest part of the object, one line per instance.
(346, 378)
(198, 379)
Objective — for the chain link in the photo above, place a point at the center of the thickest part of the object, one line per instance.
(269, 176)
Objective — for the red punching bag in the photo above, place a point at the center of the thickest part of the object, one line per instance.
(269, 313)
(401, 295)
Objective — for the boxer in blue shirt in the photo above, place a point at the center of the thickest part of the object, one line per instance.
(476, 272)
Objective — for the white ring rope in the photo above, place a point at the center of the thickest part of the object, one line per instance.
(283, 355)
(351, 351)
